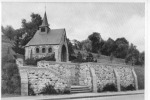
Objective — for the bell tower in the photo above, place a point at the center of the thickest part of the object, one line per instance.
(44, 28)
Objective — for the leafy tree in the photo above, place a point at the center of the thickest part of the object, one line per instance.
(31, 27)
(95, 39)
(122, 46)
(133, 55)
(79, 57)
(108, 47)
(77, 45)
(86, 45)
(142, 58)
(9, 32)
(18, 47)
(70, 50)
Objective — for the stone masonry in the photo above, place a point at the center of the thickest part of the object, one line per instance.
(63, 75)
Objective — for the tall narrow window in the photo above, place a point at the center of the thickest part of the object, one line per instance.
(43, 50)
(49, 50)
(37, 50)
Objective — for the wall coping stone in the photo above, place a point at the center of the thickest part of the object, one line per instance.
(94, 80)
(135, 79)
(117, 80)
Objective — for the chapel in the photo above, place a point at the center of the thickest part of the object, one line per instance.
(46, 42)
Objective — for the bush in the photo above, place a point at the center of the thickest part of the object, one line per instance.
(30, 90)
(109, 87)
(130, 87)
(48, 89)
(33, 61)
(67, 90)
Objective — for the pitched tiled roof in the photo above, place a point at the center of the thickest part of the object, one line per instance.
(52, 37)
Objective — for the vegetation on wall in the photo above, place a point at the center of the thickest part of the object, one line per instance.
(33, 61)
(10, 77)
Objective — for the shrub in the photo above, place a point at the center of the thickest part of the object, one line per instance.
(30, 90)
(67, 90)
(110, 87)
(129, 87)
(48, 89)
(33, 61)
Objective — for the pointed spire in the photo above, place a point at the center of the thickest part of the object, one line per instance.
(45, 22)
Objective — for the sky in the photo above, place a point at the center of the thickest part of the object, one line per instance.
(114, 20)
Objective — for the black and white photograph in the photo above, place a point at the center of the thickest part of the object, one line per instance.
(73, 50)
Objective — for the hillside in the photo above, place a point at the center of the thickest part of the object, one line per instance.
(102, 58)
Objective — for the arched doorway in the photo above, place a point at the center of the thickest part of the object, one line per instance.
(63, 54)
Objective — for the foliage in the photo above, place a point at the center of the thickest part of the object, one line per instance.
(95, 39)
(133, 55)
(90, 58)
(48, 89)
(31, 27)
(10, 78)
(79, 57)
(70, 50)
(67, 90)
(109, 87)
(9, 32)
(108, 47)
(33, 61)
(86, 45)
(130, 87)
(121, 48)
(30, 90)
(77, 45)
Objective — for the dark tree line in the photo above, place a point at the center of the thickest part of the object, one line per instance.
(119, 48)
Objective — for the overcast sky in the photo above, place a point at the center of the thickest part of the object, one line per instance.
(113, 20)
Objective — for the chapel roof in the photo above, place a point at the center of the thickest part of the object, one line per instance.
(54, 36)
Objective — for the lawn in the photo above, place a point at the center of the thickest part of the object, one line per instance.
(140, 75)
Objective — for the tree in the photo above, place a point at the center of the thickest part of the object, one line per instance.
(132, 55)
(108, 47)
(31, 27)
(142, 58)
(70, 49)
(86, 45)
(79, 57)
(77, 45)
(18, 47)
(9, 32)
(121, 45)
(95, 39)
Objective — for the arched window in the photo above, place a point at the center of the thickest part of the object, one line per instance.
(43, 50)
(42, 29)
(49, 50)
(37, 50)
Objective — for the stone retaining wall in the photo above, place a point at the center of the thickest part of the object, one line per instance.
(63, 75)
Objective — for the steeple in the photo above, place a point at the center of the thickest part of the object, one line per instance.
(45, 22)
(44, 28)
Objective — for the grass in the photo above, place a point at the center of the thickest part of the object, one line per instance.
(140, 76)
